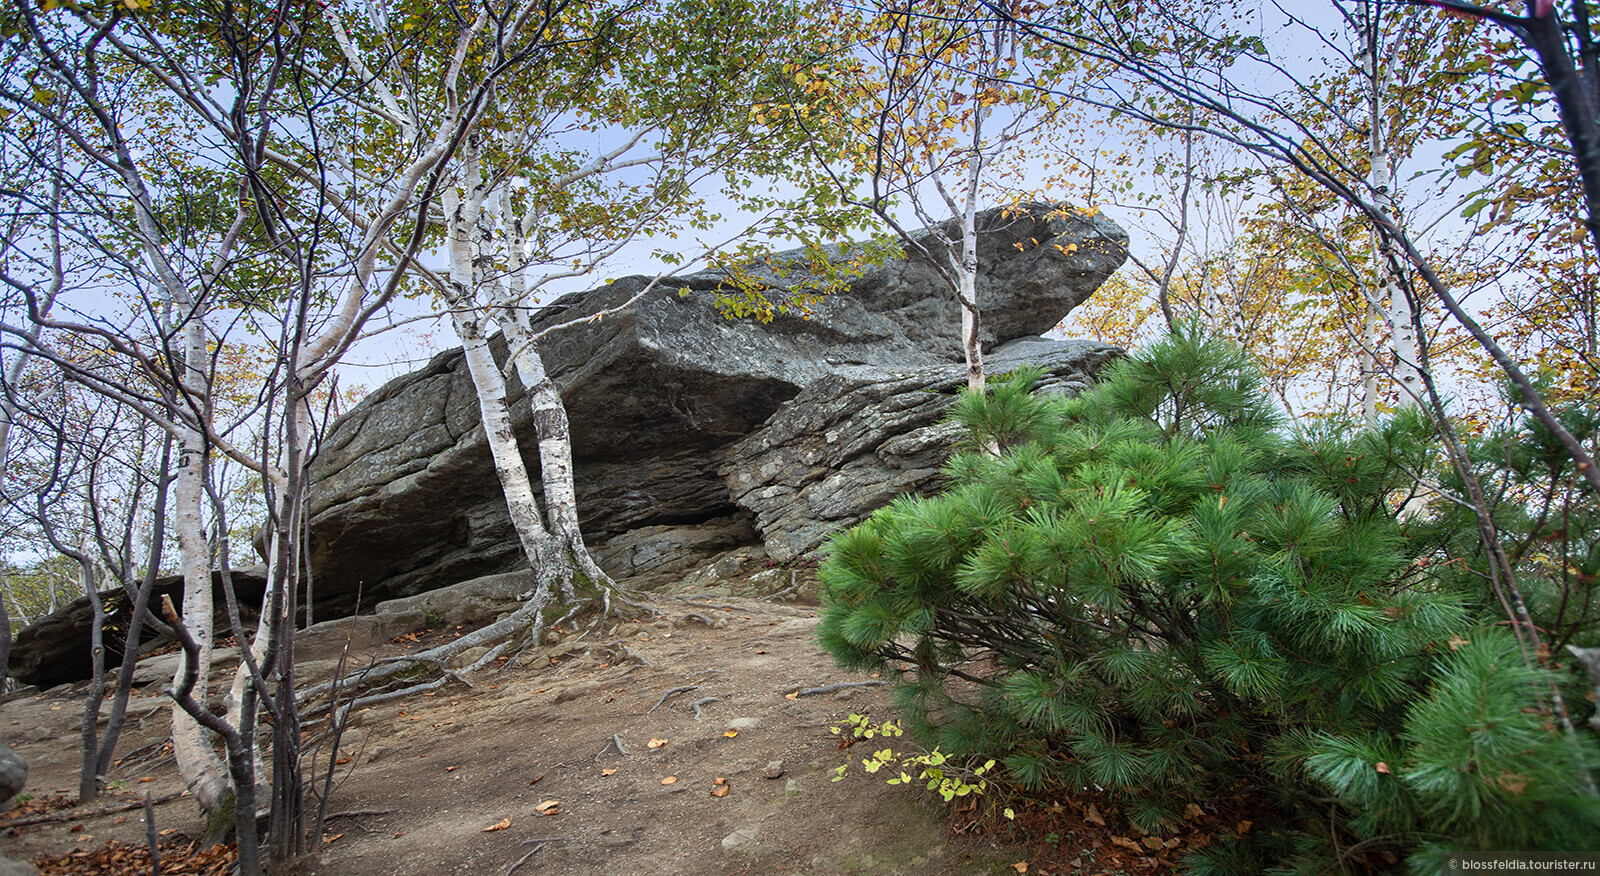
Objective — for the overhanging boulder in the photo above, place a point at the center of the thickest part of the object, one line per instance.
(404, 497)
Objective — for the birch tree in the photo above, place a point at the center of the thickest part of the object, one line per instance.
(635, 113)
(324, 256)
(935, 101)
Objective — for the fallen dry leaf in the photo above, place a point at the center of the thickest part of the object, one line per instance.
(148, 779)
(502, 824)
(1153, 843)
(547, 806)
(669, 780)
(1020, 866)
(329, 839)
(719, 791)
(608, 771)
(535, 779)
(721, 780)
(731, 733)
(1130, 845)
(1192, 812)
(449, 769)
(792, 696)
(657, 743)
(1094, 817)
(1382, 768)
(1244, 827)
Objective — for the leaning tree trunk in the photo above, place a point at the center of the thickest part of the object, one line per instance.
(202, 770)
(555, 447)
(544, 554)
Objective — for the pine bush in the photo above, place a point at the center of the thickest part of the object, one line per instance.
(1153, 592)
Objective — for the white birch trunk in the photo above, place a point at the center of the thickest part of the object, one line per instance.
(462, 214)
(203, 771)
(549, 413)
(555, 452)
(1402, 331)
(967, 270)
(1369, 362)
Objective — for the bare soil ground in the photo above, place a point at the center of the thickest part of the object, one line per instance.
(455, 782)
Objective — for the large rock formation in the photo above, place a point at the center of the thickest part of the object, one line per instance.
(848, 444)
(404, 497)
(55, 649)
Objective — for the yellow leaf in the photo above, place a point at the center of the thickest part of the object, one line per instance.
(1020, 866)
(609, 771)
(731, 733)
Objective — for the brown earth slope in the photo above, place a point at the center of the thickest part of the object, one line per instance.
(422, 781)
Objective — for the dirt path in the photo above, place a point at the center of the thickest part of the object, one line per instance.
(423, 778)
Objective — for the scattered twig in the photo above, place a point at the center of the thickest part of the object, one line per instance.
(698, 703)
(715, 606)
(531, 852)
(793, 585)
(687, 687)
(830, 688)
(360, 813)
(92, 813)
(616, 739)
(150, 835)
(524, 859)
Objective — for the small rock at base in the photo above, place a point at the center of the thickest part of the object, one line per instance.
(742, 838)
(774, 770)
(9, 867)
(13, 772)
(582, 688)
(744, 723)
(791, 788)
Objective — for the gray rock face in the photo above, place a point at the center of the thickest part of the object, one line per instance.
(467, 602)
(404, 497)
(13, 773)
(848, 444)
(10, 867)
(55, 649)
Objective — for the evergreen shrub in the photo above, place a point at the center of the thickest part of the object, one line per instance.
(1153, 593)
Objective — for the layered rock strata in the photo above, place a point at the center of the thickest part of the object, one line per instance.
(669, 401)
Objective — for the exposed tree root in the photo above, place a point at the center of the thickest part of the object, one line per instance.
(75, 814)
(703, 702)
(684, 689)
(526, 622)
(541, 843)
(830, 688)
